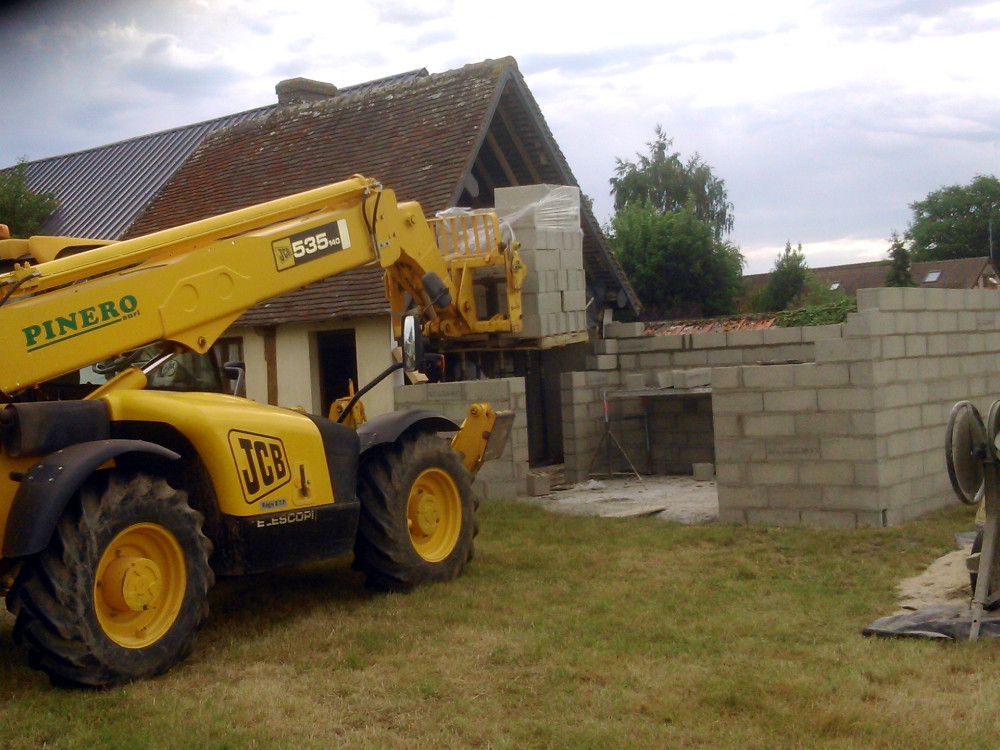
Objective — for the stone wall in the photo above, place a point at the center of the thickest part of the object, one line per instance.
(857, 436)
(505, 477)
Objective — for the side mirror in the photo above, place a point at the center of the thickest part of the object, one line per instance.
(236, 371)
(413, 344)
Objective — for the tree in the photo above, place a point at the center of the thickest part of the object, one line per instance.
(671, 218)
(787, 280)
(677, 267)
(668, 184)
(899, 265)
(956, 221)
(22, 209)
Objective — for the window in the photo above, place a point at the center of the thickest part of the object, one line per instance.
(834, 286)
(932, 276)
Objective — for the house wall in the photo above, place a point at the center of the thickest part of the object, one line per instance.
(502, 478)
(298, 373)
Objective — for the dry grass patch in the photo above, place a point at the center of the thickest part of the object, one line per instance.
(566, 632)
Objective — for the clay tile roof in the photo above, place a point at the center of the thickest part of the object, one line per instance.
(960, 273)
(420, 137)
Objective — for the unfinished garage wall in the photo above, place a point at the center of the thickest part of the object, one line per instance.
(505, 477)
(856, 437)
(647, 383)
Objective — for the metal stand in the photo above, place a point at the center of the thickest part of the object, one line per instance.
(987, 554)
(607, 439)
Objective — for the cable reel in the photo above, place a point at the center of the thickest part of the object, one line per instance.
(967, 446)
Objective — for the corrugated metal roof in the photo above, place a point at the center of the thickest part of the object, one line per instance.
(102, 190)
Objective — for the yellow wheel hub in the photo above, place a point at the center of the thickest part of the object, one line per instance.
(139, 585)
(434, 514)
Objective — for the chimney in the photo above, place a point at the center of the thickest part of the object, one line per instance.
(293, 91)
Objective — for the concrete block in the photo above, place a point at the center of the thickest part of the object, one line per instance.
(708, 340)
(725, 378)
(782, 335)
(665, 379)
(794, 400)
(539, 484)
(605, 346)
(845, 399)
(618, 330)
(814, 375)
(739, 402)
(691, 359)
(571, 257)
(694, 378)
(539, 205)
(773, 517)
(817, 333)
(574, 300)
(540, 259)
(634, 381)
(725, 357)
(769, 376)
(531, 327)
(542, 304)
(744, 338)
(768, 425)
(827, 473)
(703, 472)
(847, 350)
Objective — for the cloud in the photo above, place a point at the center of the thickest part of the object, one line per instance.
(412, 12)
(904, 20)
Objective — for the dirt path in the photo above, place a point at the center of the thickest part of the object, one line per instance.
(672, 498)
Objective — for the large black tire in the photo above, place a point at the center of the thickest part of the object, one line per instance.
(121, 590)
(418, 514)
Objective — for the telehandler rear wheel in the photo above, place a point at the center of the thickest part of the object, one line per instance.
(418, 514)
(122, 588)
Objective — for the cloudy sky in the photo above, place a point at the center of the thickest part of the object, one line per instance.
(825, 118)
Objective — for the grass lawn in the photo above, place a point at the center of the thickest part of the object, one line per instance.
(566, 632)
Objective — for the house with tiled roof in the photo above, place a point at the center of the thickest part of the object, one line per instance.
(960, 273)
(448, 139)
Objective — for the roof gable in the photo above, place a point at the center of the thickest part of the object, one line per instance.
(446, 139)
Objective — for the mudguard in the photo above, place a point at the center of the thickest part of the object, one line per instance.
(48, 486)
(386, 428)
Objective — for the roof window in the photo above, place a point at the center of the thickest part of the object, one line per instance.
(932, 276)
(834, 286)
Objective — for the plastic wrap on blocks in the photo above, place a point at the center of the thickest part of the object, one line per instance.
(553, 206)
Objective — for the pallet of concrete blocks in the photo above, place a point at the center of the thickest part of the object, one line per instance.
(545, 220)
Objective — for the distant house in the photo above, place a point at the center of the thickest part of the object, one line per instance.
(962, 273)
(443, 140)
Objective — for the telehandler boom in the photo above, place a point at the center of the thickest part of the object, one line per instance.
(119, 507)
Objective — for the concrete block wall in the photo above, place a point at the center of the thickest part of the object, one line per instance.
(502, 478)
(856, 436)
(681, 429)
(545, 220)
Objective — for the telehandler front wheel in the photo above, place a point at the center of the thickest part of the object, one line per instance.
(122, 588)
(418, 514)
